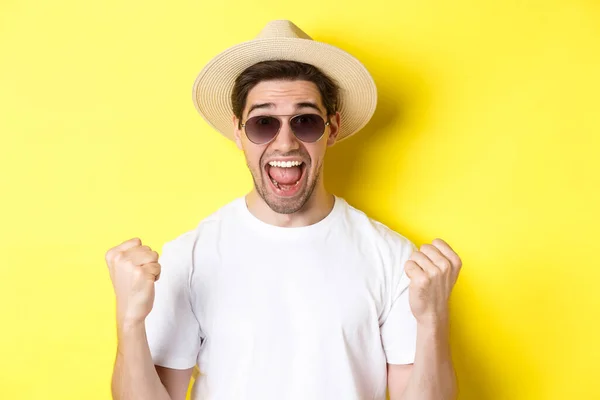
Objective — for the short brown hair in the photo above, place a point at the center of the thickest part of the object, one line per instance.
(283, 70)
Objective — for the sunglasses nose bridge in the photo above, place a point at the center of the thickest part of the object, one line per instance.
(285, 139)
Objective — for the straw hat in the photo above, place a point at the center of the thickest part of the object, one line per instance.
(282, 40)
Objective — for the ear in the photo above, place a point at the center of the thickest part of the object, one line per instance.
(237, 132)
(334, 129)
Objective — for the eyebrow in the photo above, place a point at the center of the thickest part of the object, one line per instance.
(308, 104)
(259, 106)
(303, 104)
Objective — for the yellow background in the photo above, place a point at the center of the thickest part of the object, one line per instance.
(487, 135)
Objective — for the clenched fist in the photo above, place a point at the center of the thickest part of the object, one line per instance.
(133, 270)
(433, 271)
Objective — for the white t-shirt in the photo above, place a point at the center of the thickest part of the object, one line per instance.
(272, 313)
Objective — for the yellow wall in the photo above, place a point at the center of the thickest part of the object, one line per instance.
(487, 135)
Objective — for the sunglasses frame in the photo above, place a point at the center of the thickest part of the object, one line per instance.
(289, 120)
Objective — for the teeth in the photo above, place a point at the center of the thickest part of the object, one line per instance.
(285, 164)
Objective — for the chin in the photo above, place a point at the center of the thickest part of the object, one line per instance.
(289, 201)
(286, 204)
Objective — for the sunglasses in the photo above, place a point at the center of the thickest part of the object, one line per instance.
(307, 128)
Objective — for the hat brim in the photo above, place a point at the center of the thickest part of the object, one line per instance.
(214, 84)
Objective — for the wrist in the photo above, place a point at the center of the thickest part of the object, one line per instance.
(126, 326)
(434, 334)
(434, 325)
(129, 335)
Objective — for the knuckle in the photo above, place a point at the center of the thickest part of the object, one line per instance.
(118, 256)
(458, 262)
(444, 265)
(425, 247)
(109, 255)
(438, 241)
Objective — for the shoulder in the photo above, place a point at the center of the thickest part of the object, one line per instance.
(207, 228)
(384, 238)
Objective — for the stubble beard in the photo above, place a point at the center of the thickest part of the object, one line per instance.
(283, 205)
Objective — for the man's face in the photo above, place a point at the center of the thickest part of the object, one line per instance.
(285, 188)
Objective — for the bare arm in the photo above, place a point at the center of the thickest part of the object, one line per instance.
(134, 269)
(433, 272)
(176, 381)
(134, 376)
(398, 376)
(432, 376)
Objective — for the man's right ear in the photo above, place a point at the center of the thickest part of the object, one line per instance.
(237, 132)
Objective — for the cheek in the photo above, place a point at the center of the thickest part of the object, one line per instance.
(317, 154)
(253, 157)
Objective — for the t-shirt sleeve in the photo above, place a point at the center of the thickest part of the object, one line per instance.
(399, 329)
(172, 328)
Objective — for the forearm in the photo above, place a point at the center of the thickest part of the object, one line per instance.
(134, 376)
(432, 376)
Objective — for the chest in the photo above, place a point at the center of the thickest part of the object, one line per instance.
(287, 291)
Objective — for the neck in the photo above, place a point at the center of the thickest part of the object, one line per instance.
(318, 206)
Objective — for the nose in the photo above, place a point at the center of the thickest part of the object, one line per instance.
(285, 141)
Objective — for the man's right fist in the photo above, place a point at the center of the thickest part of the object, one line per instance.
(133, 270)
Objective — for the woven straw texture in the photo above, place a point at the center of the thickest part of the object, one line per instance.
(282, 40)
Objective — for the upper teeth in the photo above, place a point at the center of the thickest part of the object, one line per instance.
(285, 164)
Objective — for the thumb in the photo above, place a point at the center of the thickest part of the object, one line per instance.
(128, 244)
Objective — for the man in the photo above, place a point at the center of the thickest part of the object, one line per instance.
(288, 292)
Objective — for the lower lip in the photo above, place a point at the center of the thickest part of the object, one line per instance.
(292, 191)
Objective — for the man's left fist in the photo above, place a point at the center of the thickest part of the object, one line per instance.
(433, 271)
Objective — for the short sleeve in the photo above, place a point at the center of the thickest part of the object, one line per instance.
(171, 327)
(399, 330)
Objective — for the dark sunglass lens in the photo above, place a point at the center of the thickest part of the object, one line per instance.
(262, 129)
(308, 127)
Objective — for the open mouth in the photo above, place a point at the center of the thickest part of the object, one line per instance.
(285, 176)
